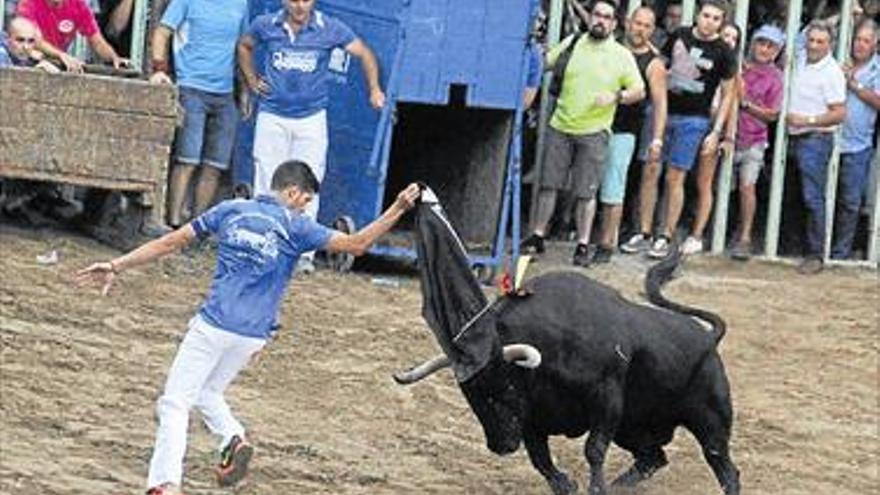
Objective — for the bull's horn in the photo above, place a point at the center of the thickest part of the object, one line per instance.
(522, 355)
(421, 371)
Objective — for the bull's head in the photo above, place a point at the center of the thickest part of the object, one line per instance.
(495, 393)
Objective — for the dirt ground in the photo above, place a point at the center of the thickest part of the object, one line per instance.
(79, 376)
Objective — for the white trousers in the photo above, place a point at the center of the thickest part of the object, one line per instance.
(207, 361)
(278, 139)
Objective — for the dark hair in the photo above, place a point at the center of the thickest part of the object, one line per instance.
(739, 34)
(613, 3)
(294, 173)
(722, 5)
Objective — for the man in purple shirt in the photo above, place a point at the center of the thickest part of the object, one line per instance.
(760, 96)
(301, 43)
(259, 243)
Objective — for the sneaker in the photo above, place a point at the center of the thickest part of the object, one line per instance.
(532, 244)
(583, 255)
(741, 251)
(164, 489)
(305, 266)
(638, 243)
(811, 266)
(603, 254)
(660, 248)
(691, 246)
(234, 461)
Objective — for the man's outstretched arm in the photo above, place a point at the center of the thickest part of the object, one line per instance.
(103, 273)
(360, 241)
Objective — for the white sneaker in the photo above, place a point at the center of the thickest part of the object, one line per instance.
(660, 248)
(305, 266)
(638, 243)
(691, 246)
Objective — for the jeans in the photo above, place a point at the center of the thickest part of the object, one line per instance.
(854, 171)
(812, 152)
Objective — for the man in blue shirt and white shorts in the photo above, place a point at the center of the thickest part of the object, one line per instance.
(293, 87)
(260, 241)
(205, 33)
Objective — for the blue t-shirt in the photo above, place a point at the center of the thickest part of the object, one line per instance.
(297, 65)
(205, 33)
(260, 242)
(858, 128)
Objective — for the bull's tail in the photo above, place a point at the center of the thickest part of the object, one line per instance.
(661, 273)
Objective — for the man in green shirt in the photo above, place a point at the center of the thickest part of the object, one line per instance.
(600, 74)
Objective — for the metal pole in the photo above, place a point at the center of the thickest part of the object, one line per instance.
(688, 9)
(722, 198)
(774, 212)
(138, 33)
(874, 229)
(554, 30)
(632, 6)
(2, 15)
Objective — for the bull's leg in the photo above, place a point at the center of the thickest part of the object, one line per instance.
(539, 454)
(712, 430)
(601, 434)
(648, 461)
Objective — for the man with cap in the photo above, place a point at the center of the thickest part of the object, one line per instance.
(760, 96)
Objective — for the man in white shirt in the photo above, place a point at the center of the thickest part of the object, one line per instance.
(818, 96)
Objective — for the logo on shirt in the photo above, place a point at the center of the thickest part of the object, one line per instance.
(266, 245)
(303, 61)
(684, 70)
(66, 26)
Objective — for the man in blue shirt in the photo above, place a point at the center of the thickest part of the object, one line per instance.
(292, 87)
(857, 138)
(259, 243)
(19, 48)
(205, 33)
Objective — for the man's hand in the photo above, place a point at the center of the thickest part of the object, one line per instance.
(102, 274)
(72, 63)
(160, 77)
(407, 198)
(655, 150)
(258, 85)
(710, 143)
(796, 120)
(377, 99)
(47, 66)
(121, 63)
(605, 98)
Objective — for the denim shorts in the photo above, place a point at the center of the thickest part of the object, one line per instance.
(208, 131)
(684, 138)
(620, 153)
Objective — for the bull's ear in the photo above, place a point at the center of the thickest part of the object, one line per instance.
(522, 355)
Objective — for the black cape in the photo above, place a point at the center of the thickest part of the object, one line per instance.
(453, 304)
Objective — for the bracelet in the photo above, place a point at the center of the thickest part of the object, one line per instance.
(657, 142)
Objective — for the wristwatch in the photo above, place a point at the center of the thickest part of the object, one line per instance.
(811, 120)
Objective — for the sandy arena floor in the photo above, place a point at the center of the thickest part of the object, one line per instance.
(79, 375)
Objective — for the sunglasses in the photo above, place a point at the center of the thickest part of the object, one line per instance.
(22, 39)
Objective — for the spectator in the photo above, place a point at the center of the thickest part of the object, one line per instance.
(204, 66)
(671, 23)
(760, 96)
(856, 144)
(115, 19)
(699, 63)
(818, 94)
(293, 89)
(19, 48)
(60, 21)
(628, 123)
(600, 74)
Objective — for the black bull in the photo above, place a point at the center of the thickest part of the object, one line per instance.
(623, 372)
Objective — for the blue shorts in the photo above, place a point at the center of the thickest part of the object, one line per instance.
(684, 138)
(208, 131)
(620, 153)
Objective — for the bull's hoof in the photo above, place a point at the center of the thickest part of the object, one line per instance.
(563, 485)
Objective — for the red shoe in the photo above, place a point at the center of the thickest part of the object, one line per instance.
(234, 461)
(165, 489)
